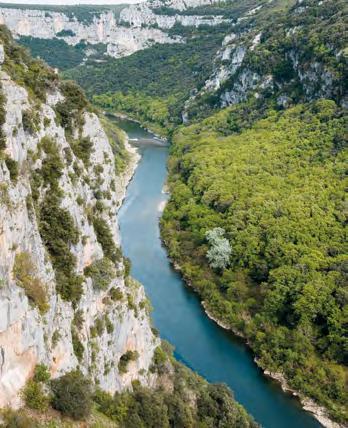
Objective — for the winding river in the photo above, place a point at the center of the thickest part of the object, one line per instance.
(199, 342)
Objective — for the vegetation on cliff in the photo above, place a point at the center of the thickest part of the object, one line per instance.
(180, 399)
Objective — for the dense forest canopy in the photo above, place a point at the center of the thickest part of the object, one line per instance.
(278, 191)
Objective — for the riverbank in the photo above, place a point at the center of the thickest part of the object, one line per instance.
(309, 405)
(157, 131)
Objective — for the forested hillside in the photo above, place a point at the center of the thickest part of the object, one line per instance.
(257, 216)
(277, 271)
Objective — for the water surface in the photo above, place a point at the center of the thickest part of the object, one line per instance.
(201, 344)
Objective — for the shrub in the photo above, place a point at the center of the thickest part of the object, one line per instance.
(125, 359)
(115, 294)
(55, 338)
(25, 274)
(83, 149)
(41, 373)
(159, 360)
(72, 395)
(2, 118)
(101, 271)
(78, 319)
(16, 419)
(58, 232)
(34, 396)
(30, 121)
(52, 165)
(127, 266)
(47, 122)
(77, 345)
(69, 285)
(69, 111)
(12, 166)
(109, 325)
(105, 239)
(99, 326)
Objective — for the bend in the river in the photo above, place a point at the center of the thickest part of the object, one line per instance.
(199, 342)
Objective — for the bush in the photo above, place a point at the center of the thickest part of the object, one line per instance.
(69, 112)
(2, 118)
(41, 373)
(34, 396)
(105, 239)
(77, 345)
(58, 232)
(72, 395)
(30, 121)
(101, 271)
(12, 166)
(16, 419)
(109, 325)
(159, 361)
(25, 275)
(116, 294)
(127, 266)
(82, 148)
(125, 359)
(99, 326)
(52, 165)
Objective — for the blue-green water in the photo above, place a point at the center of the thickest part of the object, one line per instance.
(202, 345)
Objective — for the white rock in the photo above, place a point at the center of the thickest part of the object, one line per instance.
(25, 335)
(2, 54)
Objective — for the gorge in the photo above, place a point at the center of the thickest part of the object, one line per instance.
(198, 341)
(247, 202)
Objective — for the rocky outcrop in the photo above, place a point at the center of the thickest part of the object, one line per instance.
(103, 327)
(142, 15)
(134, 28)
(253, 62)
(182, 4)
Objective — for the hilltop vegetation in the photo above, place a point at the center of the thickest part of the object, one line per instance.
(57, 53)
(301, 55)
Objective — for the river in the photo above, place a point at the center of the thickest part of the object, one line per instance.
(200, 343)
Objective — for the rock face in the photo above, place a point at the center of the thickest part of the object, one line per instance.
(134, 28)
(239, 74)
(28, 337)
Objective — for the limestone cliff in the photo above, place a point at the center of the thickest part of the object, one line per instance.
(259, 59)
(41, 319)
(124, 32)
